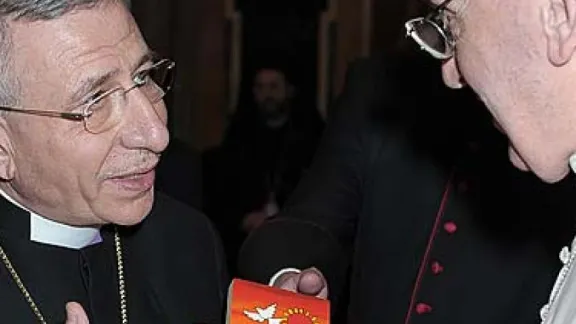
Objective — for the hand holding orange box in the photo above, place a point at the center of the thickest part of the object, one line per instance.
(250, 303)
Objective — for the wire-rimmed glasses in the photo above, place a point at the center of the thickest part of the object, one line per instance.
(432, 34)
(105, 110)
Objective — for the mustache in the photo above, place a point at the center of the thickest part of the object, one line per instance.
(131, 165)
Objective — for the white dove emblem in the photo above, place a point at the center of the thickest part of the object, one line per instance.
(262, 315)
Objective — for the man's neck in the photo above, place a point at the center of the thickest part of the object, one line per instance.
(46, 231)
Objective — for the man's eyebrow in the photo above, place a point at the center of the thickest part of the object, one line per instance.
(431, 9)
(444, 6)
(91, 83)
(145, 58)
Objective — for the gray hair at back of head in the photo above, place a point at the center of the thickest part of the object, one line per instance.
(29, 10)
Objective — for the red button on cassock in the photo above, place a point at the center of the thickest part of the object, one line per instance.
(450, 227)
(422, 308)
(437, 268)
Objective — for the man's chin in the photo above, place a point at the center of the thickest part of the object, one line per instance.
(130, 220)
(549, 173)
(128, 212)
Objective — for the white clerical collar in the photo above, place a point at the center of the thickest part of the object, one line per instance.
(46, 231)
(560, 306)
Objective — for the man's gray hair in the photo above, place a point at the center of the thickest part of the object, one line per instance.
(28, 10)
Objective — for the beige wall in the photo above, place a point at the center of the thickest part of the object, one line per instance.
(192, 33)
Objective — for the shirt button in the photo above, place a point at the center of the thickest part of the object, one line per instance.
(450, 227)
(437, 268)
(423, 308)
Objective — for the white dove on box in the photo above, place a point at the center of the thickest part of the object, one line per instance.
(266, 314)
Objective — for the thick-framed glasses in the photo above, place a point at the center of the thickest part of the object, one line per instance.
(432, 34)
(105, 109)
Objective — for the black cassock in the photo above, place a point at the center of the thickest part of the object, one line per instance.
(173, 266)
(436, 231)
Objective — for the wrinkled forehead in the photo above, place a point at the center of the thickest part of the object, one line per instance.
(61, 53)
(78, 34)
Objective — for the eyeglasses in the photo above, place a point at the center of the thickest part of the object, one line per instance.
(105, 110)
(432, 34)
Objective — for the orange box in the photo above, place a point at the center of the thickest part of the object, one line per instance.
(250, 303)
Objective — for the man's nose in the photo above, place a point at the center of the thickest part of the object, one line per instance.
(145, 124)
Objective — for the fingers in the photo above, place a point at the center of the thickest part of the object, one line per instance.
(75, 314)
(311, 282)
(288, 281)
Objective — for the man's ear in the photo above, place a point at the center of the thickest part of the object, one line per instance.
(451, 74)
(559, 22)
(7, 165)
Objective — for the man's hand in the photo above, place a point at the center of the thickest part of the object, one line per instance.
(309, 282)
(75, 314)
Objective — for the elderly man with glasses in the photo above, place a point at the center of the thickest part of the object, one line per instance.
(82, 127)
(420, 253)
(519, 57)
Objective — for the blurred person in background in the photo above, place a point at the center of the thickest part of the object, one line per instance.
(267, 147)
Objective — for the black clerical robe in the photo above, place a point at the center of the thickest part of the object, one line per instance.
(436, 231)
(173, 264)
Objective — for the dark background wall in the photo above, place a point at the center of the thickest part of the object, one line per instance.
(198, 34)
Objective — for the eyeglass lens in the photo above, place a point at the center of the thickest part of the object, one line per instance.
(107, 111)
(430, 35)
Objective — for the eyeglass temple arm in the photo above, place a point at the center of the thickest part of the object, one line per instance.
(78, 116)
(47, 113)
